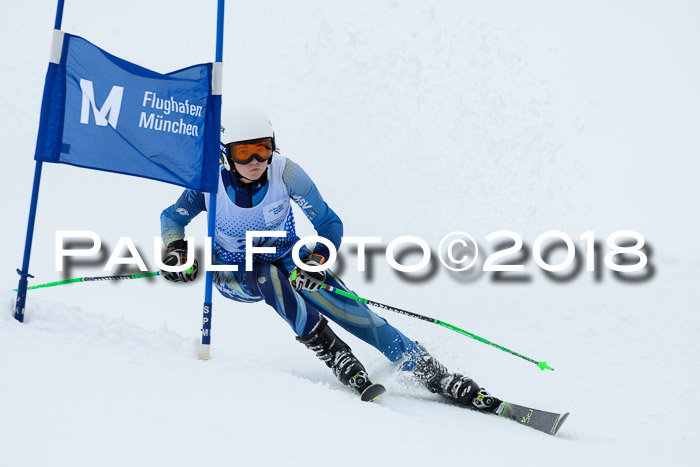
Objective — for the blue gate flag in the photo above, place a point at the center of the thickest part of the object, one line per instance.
(101, 112)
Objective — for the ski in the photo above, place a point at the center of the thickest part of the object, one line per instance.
(546, 422)
(371, 392)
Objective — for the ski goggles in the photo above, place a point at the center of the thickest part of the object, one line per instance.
(244, 152)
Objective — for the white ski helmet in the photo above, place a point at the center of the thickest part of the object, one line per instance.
(245, 123)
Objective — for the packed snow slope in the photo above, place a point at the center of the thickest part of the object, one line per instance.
(414, 118)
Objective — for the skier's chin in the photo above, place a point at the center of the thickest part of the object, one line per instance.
(253, 175)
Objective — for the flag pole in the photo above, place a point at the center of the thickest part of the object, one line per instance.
(24, 272)
(205, 350)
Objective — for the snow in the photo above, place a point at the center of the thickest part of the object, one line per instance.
(414, 118)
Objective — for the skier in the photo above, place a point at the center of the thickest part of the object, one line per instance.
(256, 186)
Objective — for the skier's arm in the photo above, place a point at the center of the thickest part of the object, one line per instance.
(303, 190)
(174, 218)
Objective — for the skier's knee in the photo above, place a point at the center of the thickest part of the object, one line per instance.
(234, 287)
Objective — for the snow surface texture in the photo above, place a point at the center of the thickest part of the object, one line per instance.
(414, 118)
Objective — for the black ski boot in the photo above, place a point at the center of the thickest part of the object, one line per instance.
(457, 388)
(337, 355)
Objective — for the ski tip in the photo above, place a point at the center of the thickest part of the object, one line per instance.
(543, 366)
(560, 421)
(372, 392)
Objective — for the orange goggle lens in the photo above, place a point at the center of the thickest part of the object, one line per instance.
(243, 153)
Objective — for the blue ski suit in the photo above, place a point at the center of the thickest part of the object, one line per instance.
(264, 205)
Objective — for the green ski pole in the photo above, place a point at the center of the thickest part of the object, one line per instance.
(89, 279)
(542, 365)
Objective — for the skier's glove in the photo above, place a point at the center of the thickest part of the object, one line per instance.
(306, 280)
(176, 255)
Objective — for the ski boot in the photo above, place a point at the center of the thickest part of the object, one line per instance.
(338, 356)
(454, 386)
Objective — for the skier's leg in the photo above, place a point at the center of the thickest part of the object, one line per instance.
(264, 283)
(311, 328)
(337, 355)
(454, 386)
(358, 319)
(299, 311)
(273, 285)
(234, 285)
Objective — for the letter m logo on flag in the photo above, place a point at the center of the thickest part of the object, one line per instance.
(112, 105)
(102, 112)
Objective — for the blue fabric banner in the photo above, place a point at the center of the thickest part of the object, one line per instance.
(102, 112)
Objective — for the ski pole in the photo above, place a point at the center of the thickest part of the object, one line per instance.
(88, 279)
(542, 365)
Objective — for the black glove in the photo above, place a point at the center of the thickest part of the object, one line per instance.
(305, 280)
(176, 255)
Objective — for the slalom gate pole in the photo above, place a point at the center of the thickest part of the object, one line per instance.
(91, 279)
(205, 349)
(24, 272)
(542, 365)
